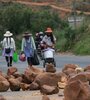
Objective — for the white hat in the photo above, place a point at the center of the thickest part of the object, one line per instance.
(8, 34)
(40, 32)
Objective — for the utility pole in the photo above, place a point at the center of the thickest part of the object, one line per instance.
(74, 12)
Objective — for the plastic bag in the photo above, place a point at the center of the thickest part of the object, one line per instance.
(22, 57)
(34, 59)
(15, 57)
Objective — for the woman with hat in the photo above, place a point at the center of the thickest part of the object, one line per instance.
(8, 45)
(28, 47)
(48, 43)
(49, 39)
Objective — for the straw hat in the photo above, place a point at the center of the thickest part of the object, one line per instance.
(8, 33)
(49, 30)
(27, 34)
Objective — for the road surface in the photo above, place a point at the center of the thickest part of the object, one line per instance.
(61, 60)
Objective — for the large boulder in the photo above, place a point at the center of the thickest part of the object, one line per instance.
(4, 86)
(69, 66)
(50, 79)
(50, 68)
(30, 74)
(87, 68)
(36, 70)
(47, 78)
(46, 89)
(34, 86)
(87, 74)
(2, 74)
(69, 69)
(26, 79)
(80, 76)
(70, 72)
(11, 70)
(14, 84)
(77, 90)
(17, 74)
(2, 78)
(62, 77)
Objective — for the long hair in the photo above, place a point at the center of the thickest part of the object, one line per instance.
(9, 40)
(51, 37)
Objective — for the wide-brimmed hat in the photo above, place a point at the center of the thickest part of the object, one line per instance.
(8, 33)
(27, 34)
(40, 32)
(49, 30)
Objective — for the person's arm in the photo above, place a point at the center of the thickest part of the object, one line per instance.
(3, 43)
(43, 43)
(14, 46)
(54, 39)
(22, 44)
(33, 43)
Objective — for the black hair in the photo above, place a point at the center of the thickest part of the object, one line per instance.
(7, 40)
(51, 37)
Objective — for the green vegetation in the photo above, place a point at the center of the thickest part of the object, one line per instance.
(19, 18)
(82, 45)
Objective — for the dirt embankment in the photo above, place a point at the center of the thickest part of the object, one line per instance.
(61, 9)
(52, 3)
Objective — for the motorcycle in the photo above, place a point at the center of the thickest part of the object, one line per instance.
(38, 45)
(49, 56)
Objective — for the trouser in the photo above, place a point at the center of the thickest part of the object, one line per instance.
(29, 61)
(9, 60)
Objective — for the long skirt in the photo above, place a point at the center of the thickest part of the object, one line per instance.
(5, 54)
(29, 52)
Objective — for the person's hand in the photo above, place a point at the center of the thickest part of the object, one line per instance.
(22, 52)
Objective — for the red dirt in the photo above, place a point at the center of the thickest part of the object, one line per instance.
(62, 9)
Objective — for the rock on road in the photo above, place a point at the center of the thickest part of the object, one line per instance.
(61, 60)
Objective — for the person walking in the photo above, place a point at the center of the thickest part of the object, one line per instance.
(28, 47)
(8, 46)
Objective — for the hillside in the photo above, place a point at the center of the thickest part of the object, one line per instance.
(64, 7)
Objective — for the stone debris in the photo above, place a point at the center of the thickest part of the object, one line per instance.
(73, 80)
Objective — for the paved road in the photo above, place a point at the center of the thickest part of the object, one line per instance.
(61, 60)
(82, 61)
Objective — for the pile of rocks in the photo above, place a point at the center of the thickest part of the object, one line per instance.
(74, 80)
(33, 78)
(78, 84)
